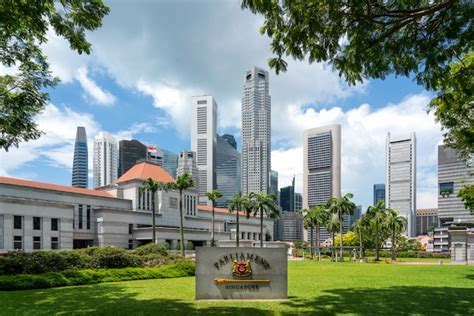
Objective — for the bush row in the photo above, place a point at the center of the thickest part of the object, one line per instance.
(409, 254)
(150, 255)
(81, 277)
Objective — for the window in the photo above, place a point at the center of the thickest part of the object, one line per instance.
(80, 216)
(54, 243)
(88, 217)
(17, 244)
(242, 235)
(36, 223)
(173, 202)
(130, 228)
(445, 189)
(202, 102)
(17, 223)
(54, 224)
(36, 242)
(130, 244)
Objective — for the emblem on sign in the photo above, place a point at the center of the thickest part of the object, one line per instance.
(241, 268)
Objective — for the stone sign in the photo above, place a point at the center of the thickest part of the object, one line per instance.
(241, 273)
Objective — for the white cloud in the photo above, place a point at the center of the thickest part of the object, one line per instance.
(363, 144)
(98, 94)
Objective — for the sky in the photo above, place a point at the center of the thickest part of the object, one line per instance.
(150, 57)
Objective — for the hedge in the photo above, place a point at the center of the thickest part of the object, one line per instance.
(82, 277)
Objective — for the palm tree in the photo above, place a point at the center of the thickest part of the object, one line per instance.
(213, 196)
(359, 226)
(320, 218)
(264, 203)
(153, 186)
(235, 203)
(333, 226)
(183, 182)
(377, 215)
(396, 225)
(308, 222)
(340, 207)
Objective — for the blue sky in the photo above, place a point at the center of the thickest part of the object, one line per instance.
(149, 58)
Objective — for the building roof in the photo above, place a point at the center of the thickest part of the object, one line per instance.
(427, 212)
(55, 187)
(216, 209)
(145, 170)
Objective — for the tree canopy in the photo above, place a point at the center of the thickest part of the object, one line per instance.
(430, 40)
(23, 29)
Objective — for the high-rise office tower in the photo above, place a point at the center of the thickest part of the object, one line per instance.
(256, 132)
(379, 192)
(187, 164)
(400, 187)
(230, 139)
(298, 202)
(105, 159)
(80, 163)
(273, 188)
(287, 197)
(203, 142)
(170, 162)
(321, 167)
(453, 174)
(130, 152)
(154, 155)
(227, 170)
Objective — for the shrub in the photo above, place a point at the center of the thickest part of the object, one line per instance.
(111, 257)
(80, 277)
(151, 248)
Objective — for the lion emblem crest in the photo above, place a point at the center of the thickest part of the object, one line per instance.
(241, 268)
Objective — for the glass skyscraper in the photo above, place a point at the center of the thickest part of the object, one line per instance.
(130, 152)
(379, 193)
(170, 162)
(227, 164)
(80, 162)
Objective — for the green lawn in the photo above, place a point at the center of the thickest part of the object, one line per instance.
(314, 288)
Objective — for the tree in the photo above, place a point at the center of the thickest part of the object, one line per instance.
(396, 224)
(340, 207)
(377, 216)
(308, 223)
(348, 239)
(264, 204)
(153, 186)
(24, 25)
(235, 203)
(359, 226)
(467, 196)
(430, 40)
(320, 218)
(183, 182)
(333, 226)
(213, 196)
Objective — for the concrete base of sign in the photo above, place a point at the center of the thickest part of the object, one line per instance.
(241, 273)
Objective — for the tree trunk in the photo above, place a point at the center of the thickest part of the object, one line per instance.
(261, 228)
(153, 214)
(340, 235)
(318, 242)
(394, 256)
(377, 242)
(213, 241)
(333, 246)
(360, 245)
(311, 244)
(237, 235)
(181, 228)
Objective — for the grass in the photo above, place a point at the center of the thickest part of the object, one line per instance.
(314, 288)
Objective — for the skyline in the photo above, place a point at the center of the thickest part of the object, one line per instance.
(144, 93)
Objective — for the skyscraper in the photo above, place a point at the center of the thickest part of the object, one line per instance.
(287, 197)
(203, 142)
(273, 189)
(453, 174)
(321, 167)
(105, 159)
(80, 163)
(256, 132)
(170, 162)
(230, 139)
(227, 170)
(187, 164)
(400, 188)
(298, 202)
(130, 152)
(154, 155)
(379, 193)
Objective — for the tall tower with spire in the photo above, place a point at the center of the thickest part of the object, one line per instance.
(80, 162)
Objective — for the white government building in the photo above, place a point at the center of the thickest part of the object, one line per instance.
(36, 215)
